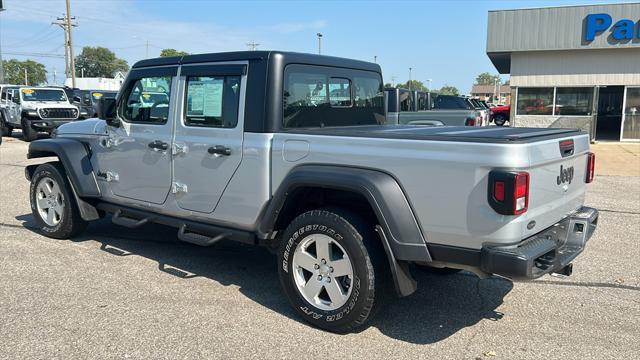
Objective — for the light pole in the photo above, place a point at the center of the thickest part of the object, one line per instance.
(375, 59)
(429, 82)
(319, 35)
(410, 79)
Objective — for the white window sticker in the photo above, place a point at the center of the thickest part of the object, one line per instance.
(213, 98)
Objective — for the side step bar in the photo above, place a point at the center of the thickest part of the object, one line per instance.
(198, 239)
(118, 219)
(193, 232)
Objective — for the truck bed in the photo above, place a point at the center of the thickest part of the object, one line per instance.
(500, 135)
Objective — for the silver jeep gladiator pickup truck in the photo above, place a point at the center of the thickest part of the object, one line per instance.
(292, 151)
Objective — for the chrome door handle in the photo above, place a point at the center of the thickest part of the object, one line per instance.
(158, 145)
(219, 150)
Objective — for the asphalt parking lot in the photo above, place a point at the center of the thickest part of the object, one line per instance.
(122, 293)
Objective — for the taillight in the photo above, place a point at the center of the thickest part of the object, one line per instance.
(470, 122)
(521, 193)
(591, 167)
(509, 192)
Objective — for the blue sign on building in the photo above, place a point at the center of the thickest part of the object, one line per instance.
(622, 30)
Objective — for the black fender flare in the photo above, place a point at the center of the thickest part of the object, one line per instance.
(382, 191)
(75, 157)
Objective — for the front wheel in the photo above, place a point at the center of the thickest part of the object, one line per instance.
(52, 203)
(331, 269)
(28, 133)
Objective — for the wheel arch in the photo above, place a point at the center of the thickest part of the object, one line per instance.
(75, 159)
(382, 194)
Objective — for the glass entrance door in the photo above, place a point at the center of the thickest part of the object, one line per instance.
(631, 115)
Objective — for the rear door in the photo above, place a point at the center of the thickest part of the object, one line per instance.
(209, 133)
(136, 161)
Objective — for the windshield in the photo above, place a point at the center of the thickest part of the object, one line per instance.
(43, 95)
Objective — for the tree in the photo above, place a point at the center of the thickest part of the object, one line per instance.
(99, 62)
(14, 72)
(448, 90)
(413, 85)
(487, 79)
(172, 52)
(388, 85)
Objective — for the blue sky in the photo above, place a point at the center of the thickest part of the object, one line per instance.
(441, 40)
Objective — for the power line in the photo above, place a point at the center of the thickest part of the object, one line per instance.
(34, 54)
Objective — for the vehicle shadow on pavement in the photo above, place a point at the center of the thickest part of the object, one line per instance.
(443, 304)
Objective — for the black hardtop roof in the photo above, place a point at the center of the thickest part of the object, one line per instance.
(287, 57)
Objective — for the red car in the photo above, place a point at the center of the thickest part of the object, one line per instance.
(500, 114)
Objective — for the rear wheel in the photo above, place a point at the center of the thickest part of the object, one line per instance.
(28, 133)
(331, 269)
(52, 203)
(500, 120)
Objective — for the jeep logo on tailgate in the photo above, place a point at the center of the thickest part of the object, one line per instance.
(566, 175)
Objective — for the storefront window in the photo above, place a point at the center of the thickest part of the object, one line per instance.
(574, 101)
(631, 128)
(535, 101)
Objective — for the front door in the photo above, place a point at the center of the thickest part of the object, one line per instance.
(135, 161)
(209, 133)
(631, 121)
(609, 120)
(13, 108)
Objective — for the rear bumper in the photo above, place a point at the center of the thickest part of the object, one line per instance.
(549, 251)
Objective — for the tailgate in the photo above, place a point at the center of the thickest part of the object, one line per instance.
(557, 180)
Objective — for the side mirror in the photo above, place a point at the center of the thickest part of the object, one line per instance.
(15, 99)
(76, 99)
(107, 111)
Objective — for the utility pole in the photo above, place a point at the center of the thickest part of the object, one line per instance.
(253, 46)
(146, 51)
(26, 79)
(54, 75)
(319, 35)
(1, 67)
(393, 81)
(429, 86)
(66, 25)
(410, 79)
(72, 61)
(375, 59)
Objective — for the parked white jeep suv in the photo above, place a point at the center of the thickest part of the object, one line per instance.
(36, 109)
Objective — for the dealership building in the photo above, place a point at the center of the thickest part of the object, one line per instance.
(573, 66)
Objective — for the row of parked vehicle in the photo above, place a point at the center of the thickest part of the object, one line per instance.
(409, 107)
(35, 109)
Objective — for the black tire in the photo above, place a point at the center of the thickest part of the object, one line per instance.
(438, 271)
(70, 223)
(4, 128)
(499, 120)
(370, 269)
(28, 133)
(8, 130)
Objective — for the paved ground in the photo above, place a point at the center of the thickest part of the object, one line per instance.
(117, 293)
(617, 158)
